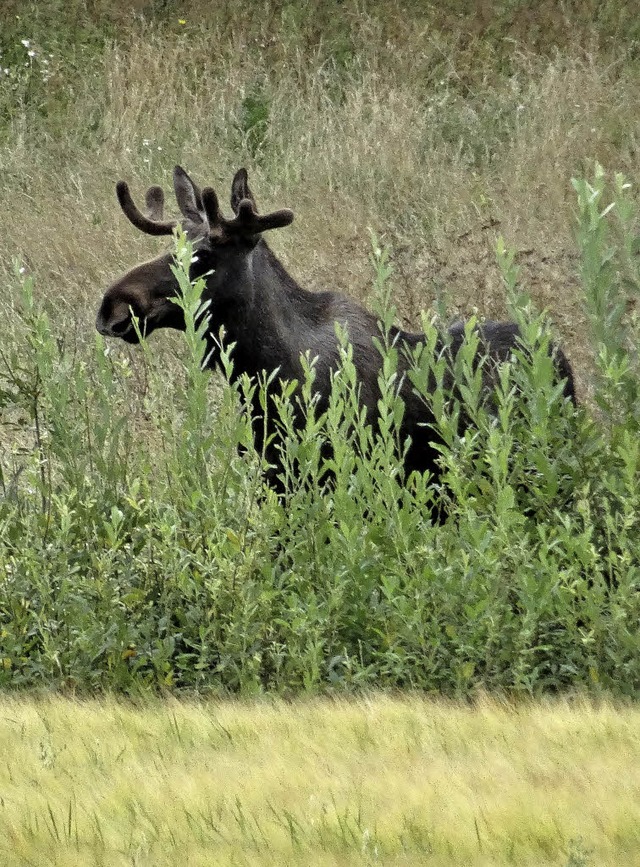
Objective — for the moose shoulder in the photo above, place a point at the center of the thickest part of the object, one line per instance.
(268, 317)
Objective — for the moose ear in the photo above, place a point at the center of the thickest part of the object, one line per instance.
(188, 196)
(240, 190)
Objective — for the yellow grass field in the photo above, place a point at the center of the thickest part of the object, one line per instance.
(379, 780)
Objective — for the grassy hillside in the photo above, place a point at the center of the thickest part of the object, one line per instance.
(138, 549)
(437, 130)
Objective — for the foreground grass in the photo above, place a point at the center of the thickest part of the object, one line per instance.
(409, 781)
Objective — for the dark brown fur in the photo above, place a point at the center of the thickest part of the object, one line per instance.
(271, 320)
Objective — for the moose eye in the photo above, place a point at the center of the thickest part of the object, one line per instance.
(202, 261)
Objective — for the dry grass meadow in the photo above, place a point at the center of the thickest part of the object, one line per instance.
(437, 132)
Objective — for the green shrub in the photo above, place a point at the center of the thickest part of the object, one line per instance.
(142, 550)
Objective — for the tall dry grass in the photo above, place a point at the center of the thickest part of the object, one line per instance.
(373, 116)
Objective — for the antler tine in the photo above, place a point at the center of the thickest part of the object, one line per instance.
(248, 220)
(154, 200)
(211, 207)
(145, 224)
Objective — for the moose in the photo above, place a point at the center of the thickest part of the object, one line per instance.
(272, 322)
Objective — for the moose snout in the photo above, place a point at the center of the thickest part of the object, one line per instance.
(109, 327)
(102, 327)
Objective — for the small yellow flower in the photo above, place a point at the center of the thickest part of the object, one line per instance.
(182, 20)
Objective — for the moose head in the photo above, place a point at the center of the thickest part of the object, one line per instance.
(221, 246)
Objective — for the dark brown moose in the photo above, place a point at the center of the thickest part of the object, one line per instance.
(271, 320)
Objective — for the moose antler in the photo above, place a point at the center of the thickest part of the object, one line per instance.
(247, 220)
(153, 224)
(154, 200)
(196, 206)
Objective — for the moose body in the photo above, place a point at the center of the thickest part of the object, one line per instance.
(270, 320)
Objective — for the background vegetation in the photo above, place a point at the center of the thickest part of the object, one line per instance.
(138, 550)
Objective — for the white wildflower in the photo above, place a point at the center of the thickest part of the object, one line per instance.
(25, 42)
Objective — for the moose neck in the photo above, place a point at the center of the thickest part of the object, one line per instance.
(263, 312)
